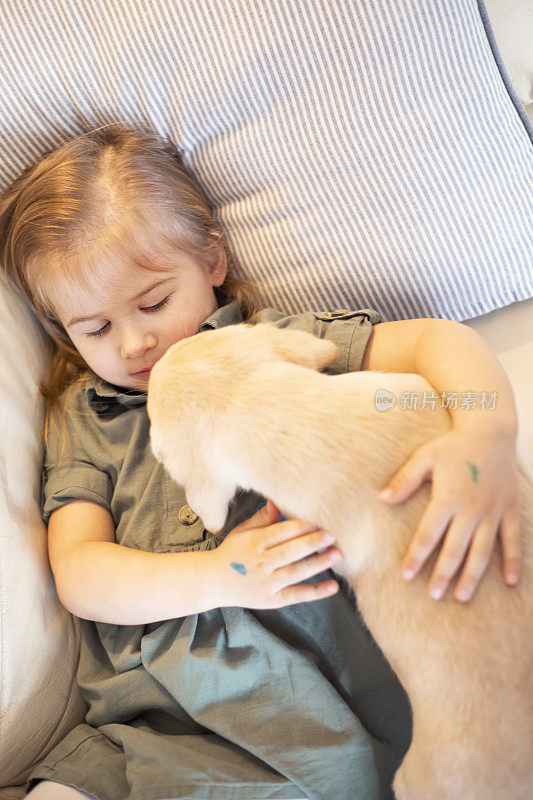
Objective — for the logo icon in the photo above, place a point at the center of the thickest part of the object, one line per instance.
(384, 400)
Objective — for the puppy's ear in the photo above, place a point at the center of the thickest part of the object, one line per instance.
(300, 347)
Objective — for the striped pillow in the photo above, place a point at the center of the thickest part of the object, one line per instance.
(358, 153)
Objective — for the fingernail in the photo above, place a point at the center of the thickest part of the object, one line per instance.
(329, 538)
(463, 594)
(408, 573)
(386, 494)
(436, 592)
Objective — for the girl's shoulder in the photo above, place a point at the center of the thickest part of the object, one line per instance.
(308, 319)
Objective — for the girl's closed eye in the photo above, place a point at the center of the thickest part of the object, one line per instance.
(148, 309)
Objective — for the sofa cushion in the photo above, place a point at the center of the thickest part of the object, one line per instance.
(512, 23)
(39, 639)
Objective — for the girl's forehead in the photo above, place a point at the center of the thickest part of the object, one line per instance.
(125, 259)
(107, 283)
(118, 265)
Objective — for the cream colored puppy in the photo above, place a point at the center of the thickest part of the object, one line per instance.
(245, 406)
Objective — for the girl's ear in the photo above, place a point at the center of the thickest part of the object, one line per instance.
(218, 266)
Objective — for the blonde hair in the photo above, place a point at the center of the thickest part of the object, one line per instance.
(62, 214)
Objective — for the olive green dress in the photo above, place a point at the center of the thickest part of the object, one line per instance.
(232, 703)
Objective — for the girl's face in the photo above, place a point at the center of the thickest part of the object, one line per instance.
(133, 321)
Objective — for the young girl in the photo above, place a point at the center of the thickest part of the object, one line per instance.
(194, 689)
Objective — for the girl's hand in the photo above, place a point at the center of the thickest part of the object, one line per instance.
(474, 490)
(259, 562)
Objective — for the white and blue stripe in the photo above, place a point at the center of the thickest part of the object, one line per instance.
(358, 153)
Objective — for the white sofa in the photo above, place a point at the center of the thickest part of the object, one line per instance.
(39, 699)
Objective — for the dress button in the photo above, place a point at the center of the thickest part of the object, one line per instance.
(187, 515)
(333, 314)
(338, 312)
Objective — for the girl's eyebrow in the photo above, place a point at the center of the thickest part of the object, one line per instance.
(75, 320)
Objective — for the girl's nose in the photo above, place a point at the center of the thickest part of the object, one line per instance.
(135, 343)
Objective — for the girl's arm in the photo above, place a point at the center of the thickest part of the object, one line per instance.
(256, 566)
(473, 468)
(452, 358)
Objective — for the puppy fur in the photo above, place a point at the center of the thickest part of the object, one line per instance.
(246, 406)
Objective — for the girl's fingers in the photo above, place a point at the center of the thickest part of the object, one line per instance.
(452, 554)
(426, 538)
(272, 532)
(267, 515)
(411, 475)
(307, 567)
(307, 592)
(477, 561)
(510, 537)
(295, 549)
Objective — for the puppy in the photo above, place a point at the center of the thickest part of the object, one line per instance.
(245, 406)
